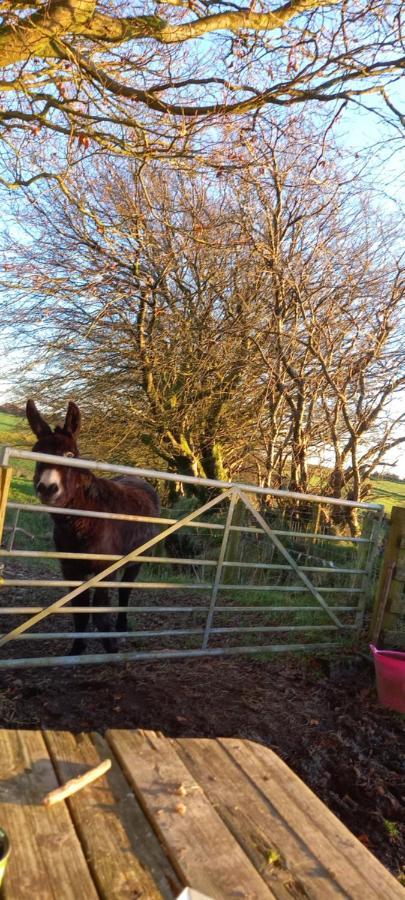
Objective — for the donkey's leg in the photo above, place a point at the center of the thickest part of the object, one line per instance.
(81, 621)
(130, 574)
(72, 571)
(103, 620)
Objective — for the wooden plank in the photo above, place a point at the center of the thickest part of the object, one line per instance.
(355, 871)
(46, 859)
(124, 854)
(257, 824)
(205, 854)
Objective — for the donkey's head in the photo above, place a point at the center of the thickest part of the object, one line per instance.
(55, 485)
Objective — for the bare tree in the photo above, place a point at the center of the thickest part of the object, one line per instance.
(142, 84)
(236, 326)
(140, 291)
(328, 327)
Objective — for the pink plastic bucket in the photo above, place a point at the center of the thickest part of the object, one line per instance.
(390, 676)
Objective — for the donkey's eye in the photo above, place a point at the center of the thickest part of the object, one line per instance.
(69, 453)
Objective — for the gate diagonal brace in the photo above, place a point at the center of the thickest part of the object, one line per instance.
(273, 537)
(47, 611)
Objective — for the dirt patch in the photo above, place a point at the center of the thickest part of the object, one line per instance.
(321, 717)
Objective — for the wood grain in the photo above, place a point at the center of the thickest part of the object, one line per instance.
(123, 853)
(46, 859)
(206, 855)
(256, 824)
(354, 871)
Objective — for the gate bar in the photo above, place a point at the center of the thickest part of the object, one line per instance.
(146, 655)
(290, 559)
(49, 554)
(214, 526)
(24, 610)
(217, 579)
(187, 479)
(175, 585)
(176, 632)
(114, 566)
(5, 481)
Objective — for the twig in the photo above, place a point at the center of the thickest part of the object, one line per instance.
(76, 784)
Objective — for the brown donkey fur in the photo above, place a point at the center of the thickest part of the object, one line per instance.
(74, 488)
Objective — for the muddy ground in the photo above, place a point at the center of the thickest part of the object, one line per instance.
(321, 717)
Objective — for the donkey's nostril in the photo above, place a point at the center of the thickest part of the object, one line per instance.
(49, 483)
(47, 490)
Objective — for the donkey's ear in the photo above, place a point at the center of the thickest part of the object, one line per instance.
(73, 419)
(36, 422)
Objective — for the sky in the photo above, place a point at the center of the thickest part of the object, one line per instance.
(360, 131)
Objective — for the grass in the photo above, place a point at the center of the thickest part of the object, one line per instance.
(391, 829)
(14, 431)
(389, 493)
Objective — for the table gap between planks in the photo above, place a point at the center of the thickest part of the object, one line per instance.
(225, 816)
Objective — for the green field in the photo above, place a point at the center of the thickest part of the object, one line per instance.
(390, 493)
(15, 433)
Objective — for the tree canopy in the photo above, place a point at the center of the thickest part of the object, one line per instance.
(150, 80)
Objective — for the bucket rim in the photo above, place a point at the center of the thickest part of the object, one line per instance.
(389, 654)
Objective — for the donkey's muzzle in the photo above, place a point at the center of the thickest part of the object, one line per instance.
(47, 491)
(49, 484)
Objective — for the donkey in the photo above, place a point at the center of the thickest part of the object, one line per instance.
(75, 488)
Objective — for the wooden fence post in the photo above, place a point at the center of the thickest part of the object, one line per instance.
(5, 479)
(366, 558)
(389, 607)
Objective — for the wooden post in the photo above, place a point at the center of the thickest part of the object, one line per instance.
(366, 556)
(391, 587)
(5, 479)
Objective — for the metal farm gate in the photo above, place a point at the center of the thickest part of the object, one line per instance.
(270, 571)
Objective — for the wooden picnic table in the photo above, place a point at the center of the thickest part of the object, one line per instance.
(226, 817)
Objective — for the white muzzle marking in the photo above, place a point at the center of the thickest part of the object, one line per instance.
(49, 478)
